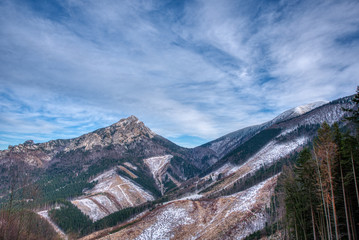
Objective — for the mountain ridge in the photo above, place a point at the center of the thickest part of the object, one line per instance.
(126, 165)
(228, 142)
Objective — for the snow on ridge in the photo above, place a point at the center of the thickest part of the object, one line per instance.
(330, 116)
(227, 169)
(194, 196)
(134, 186)
(257, 195)
(224, 169)
(287, 131)
(130, 165)
(299, 110)
(216, 146)
(308, 107)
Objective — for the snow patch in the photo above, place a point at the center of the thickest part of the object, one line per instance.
(165, 224)
(106, 202)
(245, 199)
(194, 196)
(157, 163)
(130, 165)
(287, 131)
(308, 107)
(90, 208)
(112, 193)
(273, 151)
(157, 166)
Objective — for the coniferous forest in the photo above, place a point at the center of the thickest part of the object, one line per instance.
(318, 197)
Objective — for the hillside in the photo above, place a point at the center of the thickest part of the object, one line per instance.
(220, 190)
(230, 217)
(223, 145)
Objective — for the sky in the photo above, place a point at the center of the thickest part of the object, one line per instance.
(192, 71)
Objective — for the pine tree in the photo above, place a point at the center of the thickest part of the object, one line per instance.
(305, 170)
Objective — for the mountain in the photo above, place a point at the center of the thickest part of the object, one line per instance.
(126, 153)
(280, 139)
(229, 217)
(128, 175)
(227, 143)
(118, 139)
(231, 200)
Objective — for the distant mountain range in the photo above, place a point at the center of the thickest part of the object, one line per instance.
(126, 165)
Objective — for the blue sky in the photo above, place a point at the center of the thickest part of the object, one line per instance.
(192, 71)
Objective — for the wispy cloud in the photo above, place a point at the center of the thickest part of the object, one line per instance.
(187, 69)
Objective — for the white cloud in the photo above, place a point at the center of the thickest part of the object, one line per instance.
(202, 70)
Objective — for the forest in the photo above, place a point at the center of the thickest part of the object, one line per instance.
(318, 196)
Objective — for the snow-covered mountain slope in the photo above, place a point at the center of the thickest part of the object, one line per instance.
(227, 143)
(111, 193)
(268, 155)
(230, 217)
(330, 113)
(159, 169)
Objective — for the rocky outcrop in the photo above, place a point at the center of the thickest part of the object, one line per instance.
(123, 133)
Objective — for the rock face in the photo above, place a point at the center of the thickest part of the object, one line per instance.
(127, 139)
(125, 132)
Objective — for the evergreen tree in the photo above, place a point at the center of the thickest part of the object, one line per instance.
(305, 170)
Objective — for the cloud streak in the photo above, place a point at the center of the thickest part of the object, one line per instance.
(189, 69)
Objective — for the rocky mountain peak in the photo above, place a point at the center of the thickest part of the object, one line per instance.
(130, 126)
(123, 132)
(131, 120)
